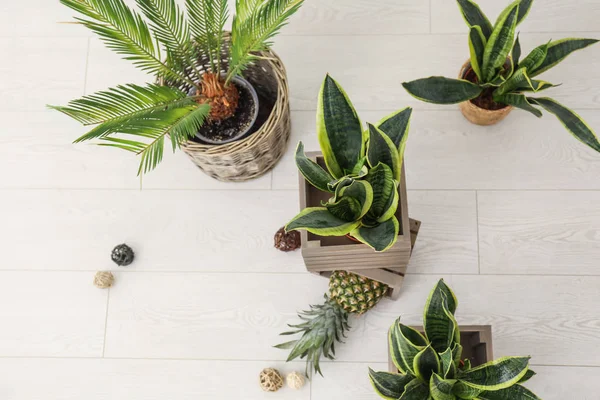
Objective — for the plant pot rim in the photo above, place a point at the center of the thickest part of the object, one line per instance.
(463, 71)
(241, 134)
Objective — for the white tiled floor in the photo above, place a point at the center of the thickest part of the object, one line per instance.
(510, 218)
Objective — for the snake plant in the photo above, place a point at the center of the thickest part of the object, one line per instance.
(363, 171)
(430, 365)
(169, 45)
(500, 75)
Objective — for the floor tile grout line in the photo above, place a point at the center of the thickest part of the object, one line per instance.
(99, 189)
(105, 322)
(478, 238)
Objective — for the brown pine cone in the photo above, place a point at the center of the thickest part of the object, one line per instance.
(287, 241)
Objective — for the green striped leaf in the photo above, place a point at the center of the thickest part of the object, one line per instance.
(448, 365)
(573, 122)
(496, 375)
(381, 149)
(415, 390)
(380, 237)
(463, 391)
(475, 17)
(477, 42)
(512, 393)
(406, 343)
(338, 129)
(516, 53)
(535, 85)
(524, 8)
(441, 90)
(559, 50)
(346, 208)
(392, 205)
(362, 192)
(441, 389)
(519, 78)
(535, 58)
(381, 180)
(439, 327)
(394, 346)
(320, 221)
(426, 363)
(530, 374)
(396, 126)
(388, 385)
(312, 172)
(500, 42)
(457, 350)
(518, 100)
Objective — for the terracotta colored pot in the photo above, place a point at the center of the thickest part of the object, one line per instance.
(476, 114)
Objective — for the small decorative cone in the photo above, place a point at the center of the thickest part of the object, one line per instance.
(295, 380)
(289, 241)
(270, 380)
(104, 279)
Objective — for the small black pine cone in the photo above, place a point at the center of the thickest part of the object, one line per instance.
(122, 255)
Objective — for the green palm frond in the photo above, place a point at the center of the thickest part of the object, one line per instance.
(207, 21)
(253, 33)
(244, 8)
(125, 32)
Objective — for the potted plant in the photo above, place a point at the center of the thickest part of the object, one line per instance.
(495, 78)
(432, 365)
(201, 100)
(354, 213)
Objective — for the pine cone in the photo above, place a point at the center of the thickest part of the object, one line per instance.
(122, 255)
(289, 241)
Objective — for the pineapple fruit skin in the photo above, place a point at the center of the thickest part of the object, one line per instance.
(355, 294)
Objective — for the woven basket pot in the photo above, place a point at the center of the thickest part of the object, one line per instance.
(476, 114)
(257, 153)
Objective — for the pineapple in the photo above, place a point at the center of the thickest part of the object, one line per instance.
(327, 323)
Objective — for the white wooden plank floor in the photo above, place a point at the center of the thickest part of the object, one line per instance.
(510, 218)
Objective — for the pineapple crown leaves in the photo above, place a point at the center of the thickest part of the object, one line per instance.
(362, 171)
(162, 41)
(430, 366)
(497, 67)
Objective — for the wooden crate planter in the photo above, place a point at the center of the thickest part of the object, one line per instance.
(324, 254)
(476, 341)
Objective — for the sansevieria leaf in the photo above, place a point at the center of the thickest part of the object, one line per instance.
(338, 129)
(518, 100)
(477, 42)
(415, 390)
(441, 90)
(312, 172)
(475, 17)
(440, 388)
(346, 208)
(320, 221)
(512, 393)
(362, 192)
(392, 205)
(407, 343)
(426, 363)
(380, 237)
(395, 126)
(439, 328)
(535, 58)
(500, 42)
(530, 374)
(448, 370)
(570, 120)
(496, 375)
(463, 391)
(519, 78)
(381, 149)
(516, 53)
(381, 180)
(559, 50)
(524, 8)
(388, 385)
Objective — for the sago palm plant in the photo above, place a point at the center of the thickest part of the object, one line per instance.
(498, 77)
(169, 45)
(363, 171)
(430, 366)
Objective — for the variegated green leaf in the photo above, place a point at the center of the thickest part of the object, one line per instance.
(516, 53)
(496, 375)
(426, 363)
(463, 391)
(361, 191)
(380, 237)
(394, 346)
(320, 221)
(573, 122)
(500, 42)
(381, 149)
(338, 129)
(530, 374)
(382, 181)
(535, 85)
(518, 100)
(346, 208)
(519, 78)
(524, 8)
(535, 58)
(439, 328)
(360, 169)
(512, 393)
(392, 205)
(415, 390)
(457, 350)
(395, 126)
(388, 385)
(440, 388)
(559, 50)
(477, 42)
(448, 365)
(441, 90)
(475, 17)
(407, 343)
(312, 172)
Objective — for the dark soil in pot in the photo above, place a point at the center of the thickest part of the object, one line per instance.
(486, 98)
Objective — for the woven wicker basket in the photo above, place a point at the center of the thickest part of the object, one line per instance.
(478, 115)
(257, 153)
